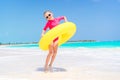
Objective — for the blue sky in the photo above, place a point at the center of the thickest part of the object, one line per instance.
(23, 21)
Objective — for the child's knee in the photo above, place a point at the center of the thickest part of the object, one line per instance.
(50, 54)
(55, 51)
(54, 55)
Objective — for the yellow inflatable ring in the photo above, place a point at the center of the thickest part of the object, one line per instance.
(64, 31)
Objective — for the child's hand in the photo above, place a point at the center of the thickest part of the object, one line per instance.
(65, 19)
(42, 35)
(43, 32)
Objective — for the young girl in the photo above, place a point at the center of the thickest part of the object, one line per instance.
(53, 46)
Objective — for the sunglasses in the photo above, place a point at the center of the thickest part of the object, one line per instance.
(48, 16)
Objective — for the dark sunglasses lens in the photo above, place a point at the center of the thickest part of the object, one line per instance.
(49, 15)
(46, 17)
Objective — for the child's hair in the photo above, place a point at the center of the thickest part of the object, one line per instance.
(46, 12)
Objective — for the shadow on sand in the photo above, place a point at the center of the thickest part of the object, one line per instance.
(53, 69)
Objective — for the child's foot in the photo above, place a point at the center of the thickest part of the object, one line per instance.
(50, 68)
(46, 69)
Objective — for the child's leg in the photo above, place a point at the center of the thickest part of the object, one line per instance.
(49, 56)
(55, 47)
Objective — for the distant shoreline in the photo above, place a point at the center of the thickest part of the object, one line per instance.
(12, 43)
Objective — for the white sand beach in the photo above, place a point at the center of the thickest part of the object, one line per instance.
(70, 64)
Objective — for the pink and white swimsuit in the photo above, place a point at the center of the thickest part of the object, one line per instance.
(52, 23)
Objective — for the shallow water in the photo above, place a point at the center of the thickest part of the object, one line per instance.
(102, 44)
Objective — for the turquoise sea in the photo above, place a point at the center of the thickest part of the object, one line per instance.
(98, 44)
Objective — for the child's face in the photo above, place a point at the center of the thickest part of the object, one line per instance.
(48, 15)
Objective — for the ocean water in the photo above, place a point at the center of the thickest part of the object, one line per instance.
(100, 44)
